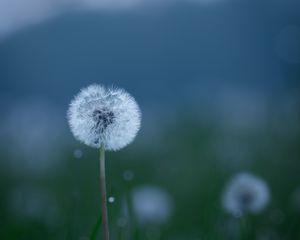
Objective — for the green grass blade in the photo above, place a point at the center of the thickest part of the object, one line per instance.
(95, 231)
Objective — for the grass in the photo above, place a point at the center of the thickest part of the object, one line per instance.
(193, 164)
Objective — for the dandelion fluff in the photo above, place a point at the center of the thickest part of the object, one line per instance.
(152, 205)
(100, 116)
(245, 193)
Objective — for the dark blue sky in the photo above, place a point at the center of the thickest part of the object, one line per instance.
(158, 56)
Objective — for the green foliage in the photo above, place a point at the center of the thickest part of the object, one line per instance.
(191, 161)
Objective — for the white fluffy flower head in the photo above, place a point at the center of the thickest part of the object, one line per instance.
(152, 205)
(100, 116)
(245, 193)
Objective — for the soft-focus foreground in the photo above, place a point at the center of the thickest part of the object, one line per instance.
(218, 85)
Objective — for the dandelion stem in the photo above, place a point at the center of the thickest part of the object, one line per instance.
(105, 230)
(243, 228)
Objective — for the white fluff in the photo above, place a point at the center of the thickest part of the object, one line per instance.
(152, 205)
(245, 193)
(100, 116)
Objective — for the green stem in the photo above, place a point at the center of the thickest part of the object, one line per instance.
(105, 231)
(243, 228)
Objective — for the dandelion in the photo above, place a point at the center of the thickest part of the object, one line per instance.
(104, 117)
(107, 119)
(245, 193)
(151, 205)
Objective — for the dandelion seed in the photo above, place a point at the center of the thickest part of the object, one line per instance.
(245, 193)
(128, 175)
(111, 199)
(78, 153)
(109, 117)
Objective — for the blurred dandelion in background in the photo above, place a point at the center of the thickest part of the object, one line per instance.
(152, 205)
(245, 193)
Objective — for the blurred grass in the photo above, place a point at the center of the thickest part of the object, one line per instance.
(191, 161)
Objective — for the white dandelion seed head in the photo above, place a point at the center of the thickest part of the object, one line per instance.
(152, 205)
(100, 116)
(245, 193)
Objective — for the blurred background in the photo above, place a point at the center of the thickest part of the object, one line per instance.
(218, 85)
